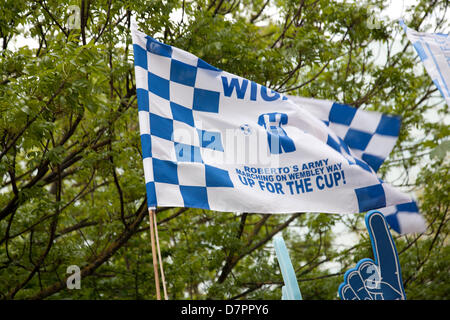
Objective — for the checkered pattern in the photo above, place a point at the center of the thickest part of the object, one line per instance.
(365, 139)
(172, 86)
(175, 90)
(404, 218)
(362, 135)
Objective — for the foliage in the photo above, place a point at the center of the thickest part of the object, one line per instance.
(71, 178)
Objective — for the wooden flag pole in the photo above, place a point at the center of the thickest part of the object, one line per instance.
(155, 261)
(160, 259)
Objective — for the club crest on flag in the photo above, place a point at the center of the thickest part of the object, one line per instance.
(277, 138)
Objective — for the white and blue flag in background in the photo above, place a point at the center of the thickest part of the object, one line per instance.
(217, 141)
(434, 51)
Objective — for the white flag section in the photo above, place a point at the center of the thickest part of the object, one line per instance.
(434, 51)
(214, 140)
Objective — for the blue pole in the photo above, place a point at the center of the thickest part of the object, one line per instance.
(291, 290)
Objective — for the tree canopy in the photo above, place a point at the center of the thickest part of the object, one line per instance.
(72, 188)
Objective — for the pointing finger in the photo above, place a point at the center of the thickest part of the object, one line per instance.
(384, 250)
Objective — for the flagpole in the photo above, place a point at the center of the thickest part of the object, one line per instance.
(160, 260)
(155, 261)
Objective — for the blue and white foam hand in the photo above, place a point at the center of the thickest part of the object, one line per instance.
(380, 279)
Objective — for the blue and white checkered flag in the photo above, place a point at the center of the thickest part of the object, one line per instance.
(214, 140)
(434, 51)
